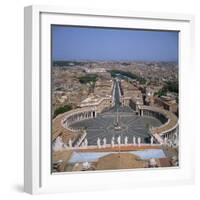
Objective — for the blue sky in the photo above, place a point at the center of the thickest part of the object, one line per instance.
(88, 43)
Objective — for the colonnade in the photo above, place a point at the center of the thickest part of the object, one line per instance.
(75, 117)
(170, 135)
(157, 115)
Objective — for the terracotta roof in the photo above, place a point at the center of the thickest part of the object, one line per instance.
(120, 161)
(164, 162)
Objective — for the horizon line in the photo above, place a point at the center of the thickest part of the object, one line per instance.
(99, 60)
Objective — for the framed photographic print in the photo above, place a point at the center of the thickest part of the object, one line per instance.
(106, 99)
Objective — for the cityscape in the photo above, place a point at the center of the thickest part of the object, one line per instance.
(113, 110)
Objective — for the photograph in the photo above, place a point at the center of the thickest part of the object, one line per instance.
(114, 99)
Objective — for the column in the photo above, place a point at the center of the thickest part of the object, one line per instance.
(86, 142)
(112, 143)
(104, 142)
(70, 143)
(126, 140)
(139, 141)
(134, 140)
(151, 140)
(165, 140)
(119, 140)
(98, 143)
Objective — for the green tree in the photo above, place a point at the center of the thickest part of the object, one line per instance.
(88, 78)
(115, 73)
(62, 109)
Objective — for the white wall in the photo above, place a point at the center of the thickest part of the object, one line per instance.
(11, 100)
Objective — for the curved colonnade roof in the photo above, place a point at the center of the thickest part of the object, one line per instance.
(58, 128)
(172, 119)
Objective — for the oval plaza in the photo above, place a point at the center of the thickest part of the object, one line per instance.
(114, 116)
